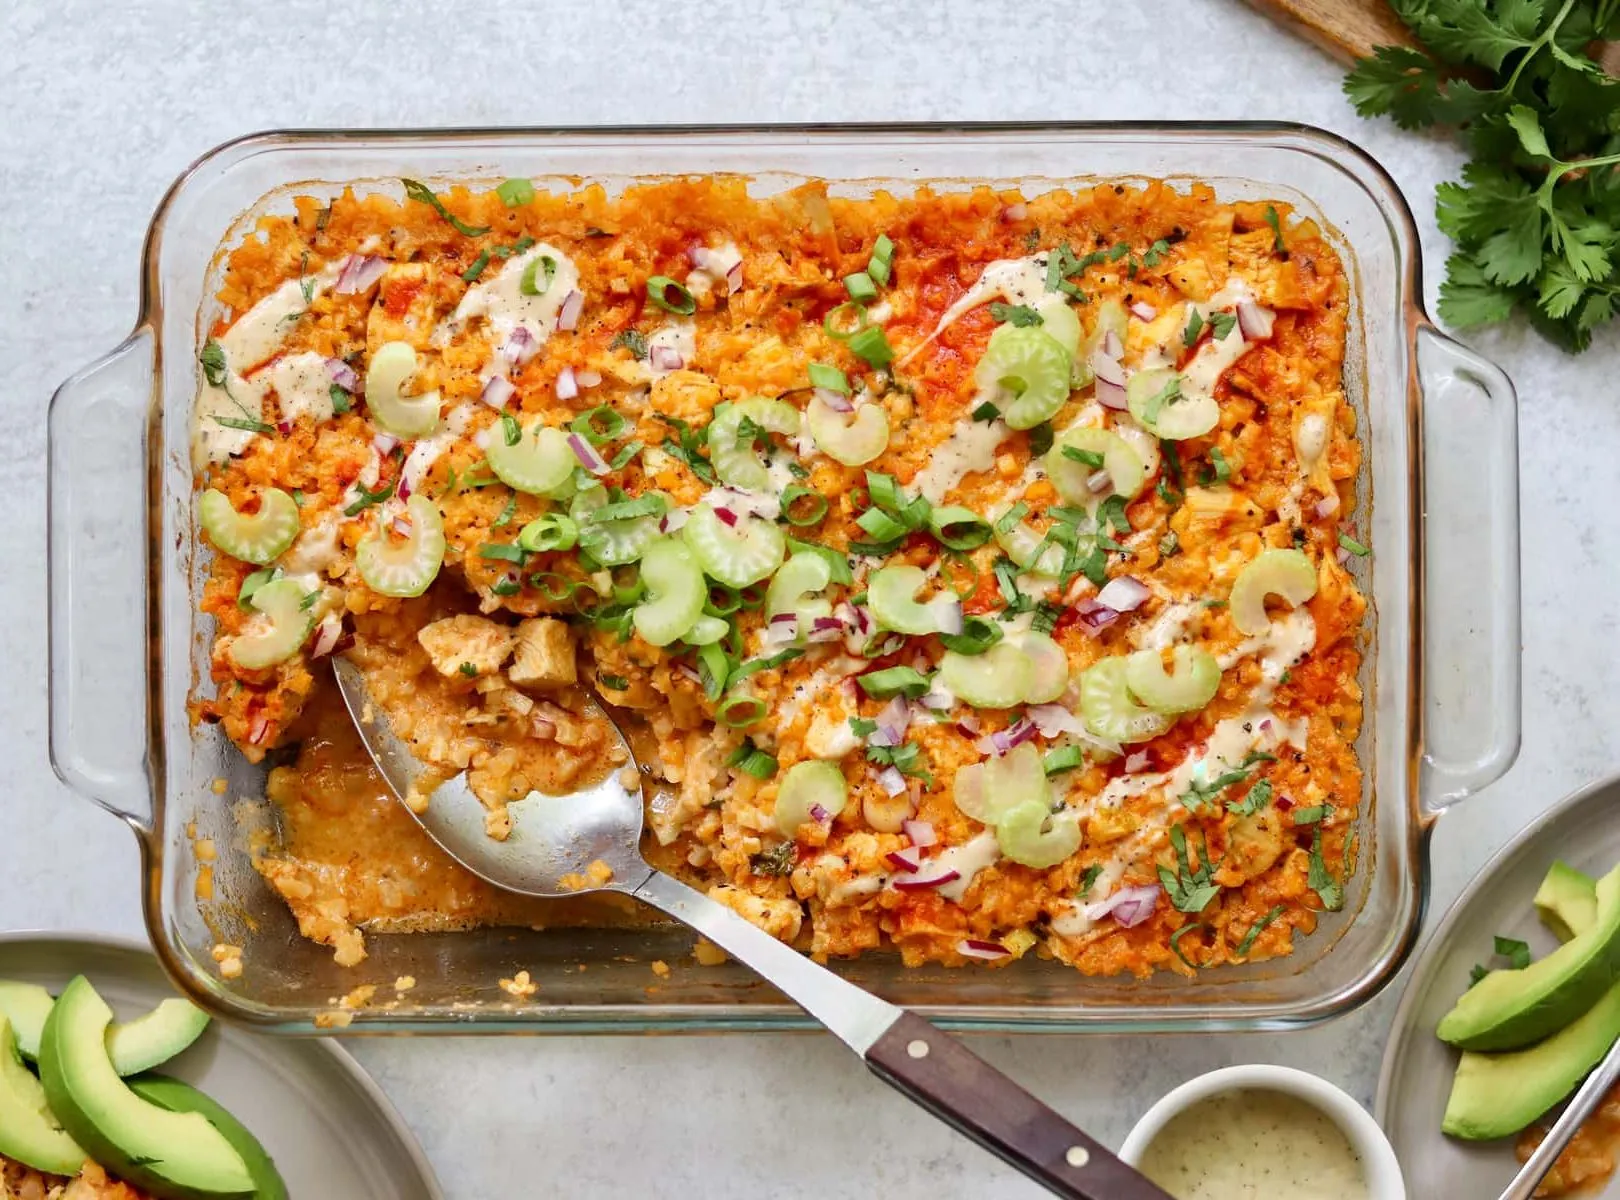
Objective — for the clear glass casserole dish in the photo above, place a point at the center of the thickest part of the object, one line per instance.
(1440, 673)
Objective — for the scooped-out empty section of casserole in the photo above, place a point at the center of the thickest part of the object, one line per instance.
(973, 565)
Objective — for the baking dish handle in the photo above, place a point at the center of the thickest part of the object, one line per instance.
(97, 535)
(1471, 650)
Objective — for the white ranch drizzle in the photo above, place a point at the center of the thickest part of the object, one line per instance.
(503, 306)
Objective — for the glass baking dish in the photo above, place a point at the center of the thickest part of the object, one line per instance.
(1441, 672)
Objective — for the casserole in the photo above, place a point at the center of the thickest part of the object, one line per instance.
(1444, 726)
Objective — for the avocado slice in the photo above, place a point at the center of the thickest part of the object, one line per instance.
(26, 1005)
(155, 1038)
(176, 1096)
(28, 1132)
(1567, 901)
(178, 1156)
(1510, 1009)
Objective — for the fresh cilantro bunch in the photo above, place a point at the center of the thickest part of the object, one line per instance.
(1536, 218)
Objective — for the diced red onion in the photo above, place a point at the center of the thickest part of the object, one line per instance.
(907, 860)
(1053, 719)
(358, 273)
(734, 278)
(673, 520)
(1107, 368)
(1112, 346)
(1111, 395)
(588, 379)
(783, 627)
(384, 443)
(1328, 505)
(727, 517)
(1343, 556)
(342, 374)
(1005, 740)
(284, 427)
(666, 358)
(1143, 311)
(1099, 481)
(863, 619)
(403, 491)
(497, 391)
(921, 833)
(968, 724)
(1138, 761)
(689, 673)
(543, 729)
(1015, 212)
(1129, 906)
(825, 629)
(587, 455)
(836, 401)
(520, 346)
(891, 781)
(568, 314)
(1095, 617)
(931, 876)
(326, 636)
(567, 384)
(937, 699)
(1255, 322)
(1123, 594)
(1284, 803)
(259, 728)
(973, 948)
(819, 815)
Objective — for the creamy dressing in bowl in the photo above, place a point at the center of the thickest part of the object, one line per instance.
(1255, 1144)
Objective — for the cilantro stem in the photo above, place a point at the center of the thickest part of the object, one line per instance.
(1538, 45)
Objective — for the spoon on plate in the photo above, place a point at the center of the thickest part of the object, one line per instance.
(1584, 1104)
(556, 840)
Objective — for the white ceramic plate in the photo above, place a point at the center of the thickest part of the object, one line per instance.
(1584, 831)
(330, 1129)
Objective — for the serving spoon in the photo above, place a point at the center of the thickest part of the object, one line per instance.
(555, 842)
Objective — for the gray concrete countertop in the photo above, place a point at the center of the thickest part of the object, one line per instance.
(102, 104)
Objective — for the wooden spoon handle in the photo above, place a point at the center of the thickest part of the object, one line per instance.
(1346, 29)
(967, 1093)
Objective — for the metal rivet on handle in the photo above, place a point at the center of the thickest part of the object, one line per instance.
(918, 1049)
(1078, 1156)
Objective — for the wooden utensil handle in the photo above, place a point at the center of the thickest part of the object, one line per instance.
(1346, 29)
(966, 1092)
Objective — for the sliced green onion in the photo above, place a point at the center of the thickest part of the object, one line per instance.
(714, 668)
(723, 600)
(860, 287)
(616, 683)
(652, 505)
(503, 551)
(554, 531)
(628, 451)
(879, 266)
(511, 431)
(960, 574)
(839, 563)
(1090, 458)
(253, 583)
(528, 285)
(515, 193)
(824, 376)
(416, 190)
(755, 665)
(507, 513)
(660, 289)
(831, 322)
(872, 344)
(739, 712)
(881, 525)
(600, 424)
(1064, 758)
(978, 635)
(1355, 547)
(959, 528)
(472, 273)
(801, 506)
(751, 760)
(894, 681)
(1012, 516)
(553, 587)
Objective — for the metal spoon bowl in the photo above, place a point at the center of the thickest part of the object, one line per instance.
(551, 849)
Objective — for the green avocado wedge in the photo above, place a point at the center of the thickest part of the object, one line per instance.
(1496, 1095)
(176, 1096)
(28, 1132)
(25, 1005)
(1508, 1010)
(176, 1156)
(153, 1039)
(1566, 901)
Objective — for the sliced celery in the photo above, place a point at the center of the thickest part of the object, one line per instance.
(850, 438)
(258, 538)
(1156, 401)
(539, 462)
(1108, 709)
(1021, 542)
(735, 555)
(612, 543)
(1024, 373)
(1072, 475)
(891, 595)
(391, 366)
(1032, 834)
(985, 791)
(809, 791)
(1048, 668)
(735, 458)
(1196, 679)
(404, 567)
(283, 623)
(998, 678)
(1285, 573)
(676, 591)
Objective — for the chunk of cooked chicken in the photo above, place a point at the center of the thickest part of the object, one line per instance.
(543, 656)
(466, 645)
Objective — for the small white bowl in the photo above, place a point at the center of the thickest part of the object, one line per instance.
(1384, 1180)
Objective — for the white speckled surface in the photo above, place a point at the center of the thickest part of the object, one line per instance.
(102, 104)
